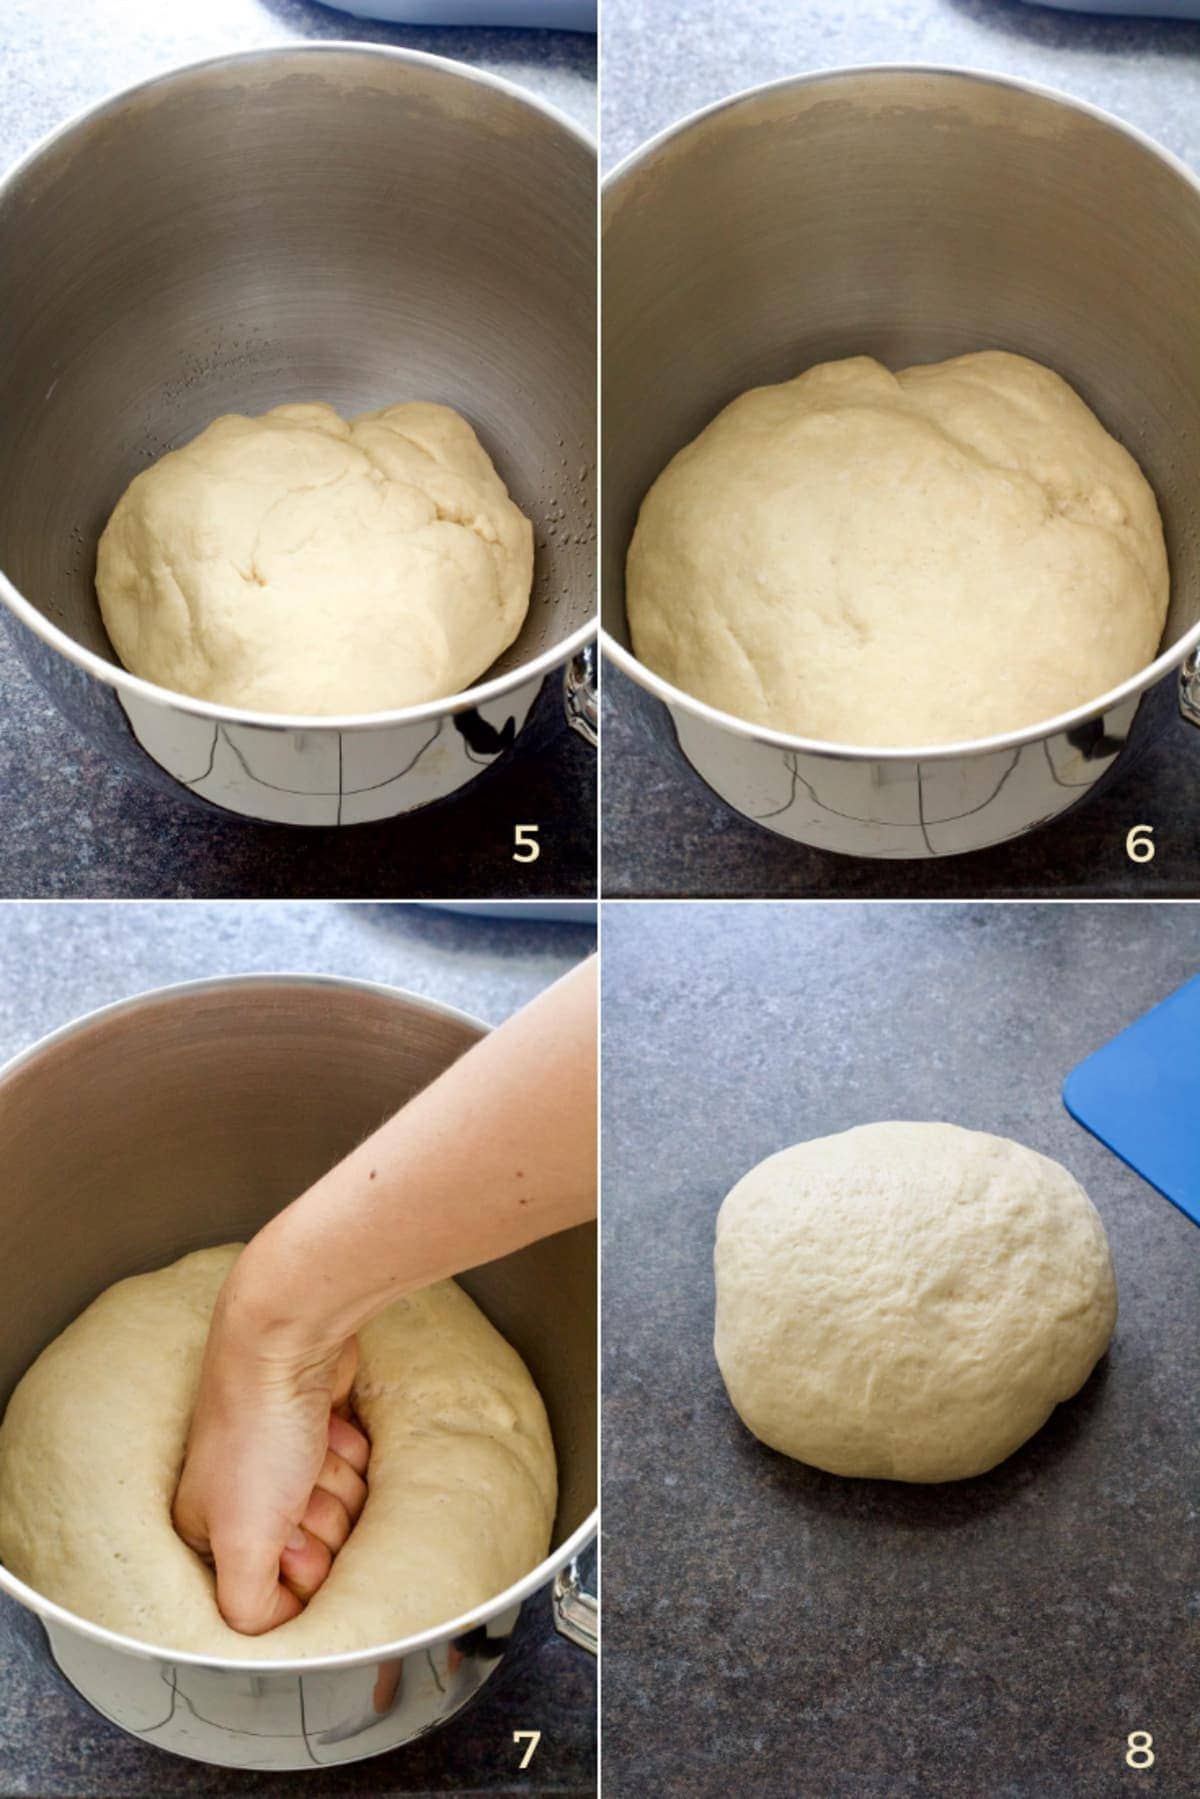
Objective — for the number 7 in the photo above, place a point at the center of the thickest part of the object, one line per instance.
(534, 1738)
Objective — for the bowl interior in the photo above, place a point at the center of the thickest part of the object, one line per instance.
(190, 1118)
(910, 215)
(345, 225)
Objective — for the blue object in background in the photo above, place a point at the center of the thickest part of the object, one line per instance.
(1140, 1095)
(1133, 9)
(560, 15)
(523, 911)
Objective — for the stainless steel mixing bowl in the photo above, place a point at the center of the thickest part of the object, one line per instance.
(189, 1116)
(912, 214)
(334, 221)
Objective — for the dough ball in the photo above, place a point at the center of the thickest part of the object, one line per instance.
(461, 1485)
(949, 553)
(908, 1301)
(299, 563)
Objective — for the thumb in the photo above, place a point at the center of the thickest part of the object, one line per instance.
(249, 1594)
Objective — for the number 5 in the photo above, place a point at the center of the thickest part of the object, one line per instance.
(533, 1737)
(526, 846)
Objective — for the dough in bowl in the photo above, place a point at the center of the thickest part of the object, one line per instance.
(461, 1486)
(298, 563)
(953, 552)
(908, 1301)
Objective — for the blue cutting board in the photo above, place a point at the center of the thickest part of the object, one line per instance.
(1140, 1095)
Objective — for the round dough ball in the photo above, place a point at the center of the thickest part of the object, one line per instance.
(908, 1301)
(461, 1487)
(298, 563)
(945, 554)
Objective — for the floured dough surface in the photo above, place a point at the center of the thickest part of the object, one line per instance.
(908, 1301)
(304, 564)
(894, 560)
(461, 1486)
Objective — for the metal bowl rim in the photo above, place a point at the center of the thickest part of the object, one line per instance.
(674, 697)
(112, 674)
(520, 1590)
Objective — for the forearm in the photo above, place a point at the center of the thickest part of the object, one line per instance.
(499, 1151)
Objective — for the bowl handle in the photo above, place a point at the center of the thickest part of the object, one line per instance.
(1189, 688)
(580, 701)
(575, 1612)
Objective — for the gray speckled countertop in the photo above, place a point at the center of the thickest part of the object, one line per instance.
(664, 832)
(776, 1630)
(73, 825)
(57, 962)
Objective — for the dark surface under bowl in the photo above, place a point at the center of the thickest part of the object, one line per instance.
(666, 834)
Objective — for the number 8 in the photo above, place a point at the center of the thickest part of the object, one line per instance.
(1139, 1745)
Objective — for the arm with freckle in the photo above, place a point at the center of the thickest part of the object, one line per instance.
(499, 1151)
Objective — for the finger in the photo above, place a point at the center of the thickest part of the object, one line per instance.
(350, 1443)
(249, 1595)
(327, 1519)
(304, 1569)
(338, 1477)
(347, 1368)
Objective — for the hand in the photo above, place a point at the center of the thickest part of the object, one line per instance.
(273, 1478)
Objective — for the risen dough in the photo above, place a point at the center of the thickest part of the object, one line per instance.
(297, 563)
(908, 1301)
(461, 1486)
(898, 560)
